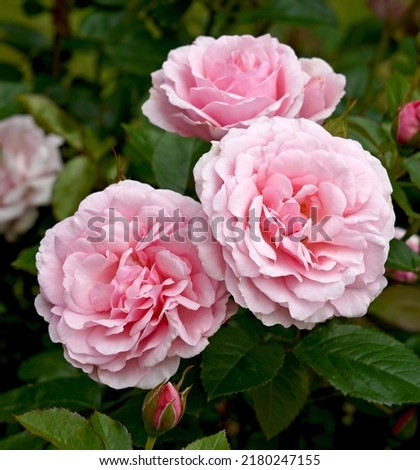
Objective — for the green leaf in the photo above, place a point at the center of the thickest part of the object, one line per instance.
(23, 38)
(173, 157)
(22, 441)
(402, 257)
(129, 414)
(396, 90)
(72, 185)
(26, 260)
(46, 365)
(141, 142)
(215, 442)
(234, 362)
(366, 131)
(399, 196)
(8, 97)
(363, 363)
(299, 12)
(53, 119)
(412, 165)
(95, 146)
(139, 54)
(144, 137)
(101, 25)
(338, 125)
(79, 393)
(398, 306)
(63, 428)
(113, 434)
(278, 402)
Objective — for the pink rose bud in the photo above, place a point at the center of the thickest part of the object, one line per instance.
(414, 244)
(406, 425)
(407, 124)
(164, 407)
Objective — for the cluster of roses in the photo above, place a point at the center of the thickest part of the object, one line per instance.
(127, 309)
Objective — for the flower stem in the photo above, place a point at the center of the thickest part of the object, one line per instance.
(150, 443)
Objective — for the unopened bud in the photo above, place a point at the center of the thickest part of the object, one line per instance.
(406, 125)
(163, 408)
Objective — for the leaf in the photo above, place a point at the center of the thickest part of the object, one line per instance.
(173, 157)
(101, 25)
(53, 119)
(113, 434)
(412, 165)
(23, 38)
(63, 428)
(235, 362)
(72, 185)
(278, 402)
(363, 363)
(398, 306)
(79, 393)
(46, 365)
(367, 132)
(95, 146)
(300, 12)
(22, 441)
(402, 257)
(137, 53)
(215, 442)
(338, 125)
(399, 196)
(396, 89)
(129, 414)
(26, 260)
(8, 97)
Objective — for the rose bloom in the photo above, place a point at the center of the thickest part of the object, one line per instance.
(213, 85)
(414, 244)
(29, 163)
(125, 293)
(408, 124)
(303, 221)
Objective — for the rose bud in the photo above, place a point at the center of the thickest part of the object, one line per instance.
(406, 126)
(163, 408)
(406, 425)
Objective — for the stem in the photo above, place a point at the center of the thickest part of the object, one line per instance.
(150, 443)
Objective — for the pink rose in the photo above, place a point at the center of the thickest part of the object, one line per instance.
(414, 244)
(29, 163)
(303, 221)
(123, 289)
(205, 89)
(323, 91)
(408, 124)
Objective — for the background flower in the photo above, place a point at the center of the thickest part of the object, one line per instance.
(414, 244)
(214, 85)
(307, 220)
(407, 124)
(128, 296)
(29, 163)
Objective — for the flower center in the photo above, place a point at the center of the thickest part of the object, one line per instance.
(245, 61)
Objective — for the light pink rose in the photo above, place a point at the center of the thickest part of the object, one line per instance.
(213, 85)
(323, 91)
(414, 244)
(408, 124)
(124, 291)
(303, 221)
(29, 163)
